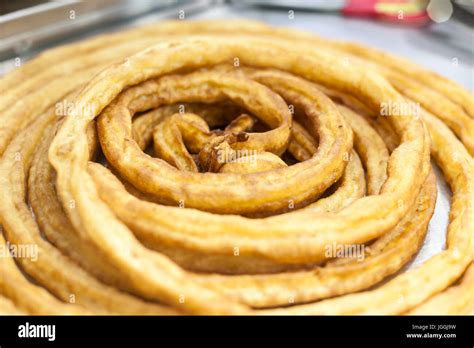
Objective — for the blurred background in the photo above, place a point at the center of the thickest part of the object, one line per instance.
(438, 34)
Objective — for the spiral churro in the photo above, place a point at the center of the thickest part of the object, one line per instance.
(189, 168)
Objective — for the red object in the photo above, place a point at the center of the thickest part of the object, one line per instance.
(400, 11)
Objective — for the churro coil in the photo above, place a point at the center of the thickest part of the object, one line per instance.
(189, 168)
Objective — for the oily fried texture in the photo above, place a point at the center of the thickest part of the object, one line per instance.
(192, 168)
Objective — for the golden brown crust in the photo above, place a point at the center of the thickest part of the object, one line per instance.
(253, 173)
